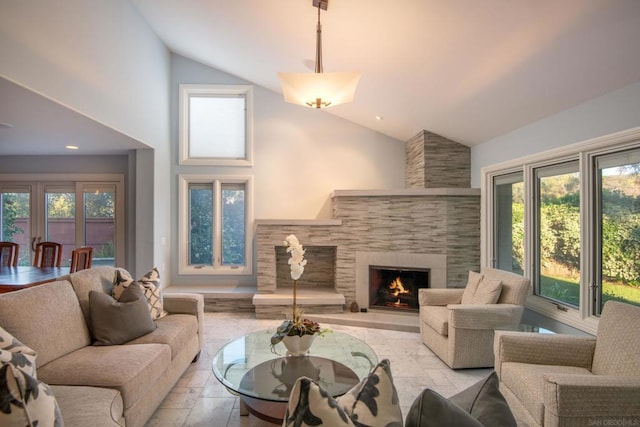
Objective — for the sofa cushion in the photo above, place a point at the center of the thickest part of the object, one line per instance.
(131, 369)
(437, 318)
(175, 330)
(25, 401)
(373, 401)
(616, 350)
(430, 409)
(117, 322)
(527, 382)
(487, 292)
(150, 282)
(470, 289)
(485, 403)
(89, 406)
(52, 330)
(19, 355)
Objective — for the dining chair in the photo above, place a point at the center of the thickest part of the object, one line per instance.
(9, 254)
(48, 254)
(81, 258)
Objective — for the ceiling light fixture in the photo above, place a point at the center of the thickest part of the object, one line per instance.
(71, 147)
(319, 89)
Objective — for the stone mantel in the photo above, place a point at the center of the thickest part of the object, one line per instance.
(299, 222)
(408, 192)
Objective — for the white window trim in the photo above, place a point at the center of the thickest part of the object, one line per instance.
(185, 92)
(583, 151)
(183, 225)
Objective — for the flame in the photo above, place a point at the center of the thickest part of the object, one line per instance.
(396, 287)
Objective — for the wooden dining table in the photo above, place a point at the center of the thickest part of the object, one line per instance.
(15, 278)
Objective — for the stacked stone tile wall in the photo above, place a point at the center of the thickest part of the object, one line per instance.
(434, 161)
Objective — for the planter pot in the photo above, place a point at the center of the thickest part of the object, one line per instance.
(298, 345)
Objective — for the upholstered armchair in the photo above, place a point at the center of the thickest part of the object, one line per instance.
(458, 324)
(570, 380)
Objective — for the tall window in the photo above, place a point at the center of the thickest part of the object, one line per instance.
(215, 125)
(617, 275)
(508, 227)
(557, 233)
(214, 221)
(581, 227)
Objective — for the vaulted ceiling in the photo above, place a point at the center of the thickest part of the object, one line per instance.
(466, 69)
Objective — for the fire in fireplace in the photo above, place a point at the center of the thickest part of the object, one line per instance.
(393, 288)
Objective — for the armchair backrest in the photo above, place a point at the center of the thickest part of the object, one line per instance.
(515, 287)
(618, 341)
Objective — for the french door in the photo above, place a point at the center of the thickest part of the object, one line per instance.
(73, 213)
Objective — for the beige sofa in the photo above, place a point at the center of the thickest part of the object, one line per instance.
(568, 380)
(462, 334)
(102, 385)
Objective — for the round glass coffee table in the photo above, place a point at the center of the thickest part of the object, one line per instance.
(263, 379)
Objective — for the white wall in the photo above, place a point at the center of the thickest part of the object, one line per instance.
(300, 155)
(99, 58)
(613, 112)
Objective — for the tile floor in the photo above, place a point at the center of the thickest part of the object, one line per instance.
(198, 399)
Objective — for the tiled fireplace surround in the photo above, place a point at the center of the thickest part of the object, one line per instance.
(432, 223)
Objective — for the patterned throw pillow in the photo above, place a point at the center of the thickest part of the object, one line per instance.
(150, 282)
(25, 401)
(374, 401)
(310, 405)
(371, 402)
(19, 355)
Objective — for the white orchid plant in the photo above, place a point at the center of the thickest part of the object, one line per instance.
(296, 325)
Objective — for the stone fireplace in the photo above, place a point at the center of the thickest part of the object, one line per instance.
(432, 229)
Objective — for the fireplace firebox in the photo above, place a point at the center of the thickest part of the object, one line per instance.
(392, 288)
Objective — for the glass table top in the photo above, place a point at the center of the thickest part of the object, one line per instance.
(247, 365)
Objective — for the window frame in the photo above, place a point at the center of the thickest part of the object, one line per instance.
(186, 91)
(217, 181)
(583, 317)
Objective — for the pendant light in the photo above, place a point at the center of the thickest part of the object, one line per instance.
(319, 89)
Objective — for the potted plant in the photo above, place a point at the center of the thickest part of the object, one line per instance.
(297, 333)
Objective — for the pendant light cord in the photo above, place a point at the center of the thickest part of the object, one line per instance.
(319, 43)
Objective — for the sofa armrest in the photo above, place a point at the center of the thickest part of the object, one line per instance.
(543, 349)
(592, 397)
(439, 296)
(484, 316)
(186, 303)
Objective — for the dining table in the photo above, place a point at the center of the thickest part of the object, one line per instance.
(20, 277)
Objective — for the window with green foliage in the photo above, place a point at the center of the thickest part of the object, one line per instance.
(570, 221)
(214, 220)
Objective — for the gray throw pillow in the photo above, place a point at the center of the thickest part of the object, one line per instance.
(117, 322)
(485, 403)
(430, 409)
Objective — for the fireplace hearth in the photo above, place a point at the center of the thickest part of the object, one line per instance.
(392, 288)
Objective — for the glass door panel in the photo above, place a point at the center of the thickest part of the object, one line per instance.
(60, 225)
(15, 215)
(100, 223)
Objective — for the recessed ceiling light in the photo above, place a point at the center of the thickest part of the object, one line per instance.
(5, 125)
(379, 118)
(71, 147)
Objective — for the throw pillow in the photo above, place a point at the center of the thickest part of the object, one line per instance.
(19, 355)
(151, 285)
(25, 401)
(485, 403)
(117, 322)
(488, 291)
(310, 405)
(430, 409)
(374, 401)
(470, 289)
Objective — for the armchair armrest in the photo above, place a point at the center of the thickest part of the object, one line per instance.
(186, 303)
(483, 316)
(432, 296)
(592, 397)
(543, 349)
